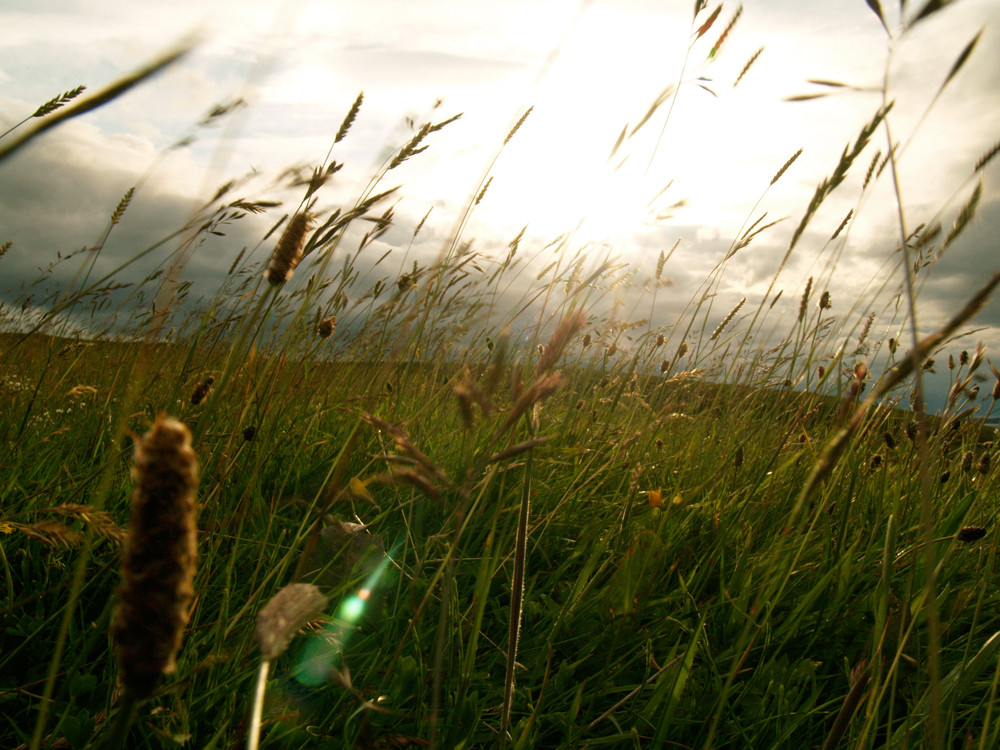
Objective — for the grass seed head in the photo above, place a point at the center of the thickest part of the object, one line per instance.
(201, 391)
(967, 462)
(970, 533)
(984, 464)
(288, 252)
(159, 558)
(326, 327)
(282, 617)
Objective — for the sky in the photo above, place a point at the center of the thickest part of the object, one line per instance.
(588, 69)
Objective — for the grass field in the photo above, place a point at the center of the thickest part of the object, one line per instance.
(531, 524)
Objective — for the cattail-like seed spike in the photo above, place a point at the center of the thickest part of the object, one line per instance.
(967, 462)
(159, 558)
(288, 252)
(747, 66)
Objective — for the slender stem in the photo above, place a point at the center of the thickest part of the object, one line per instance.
(517, 589)
(253, 735)
(123, 721)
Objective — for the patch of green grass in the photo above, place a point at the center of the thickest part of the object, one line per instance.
(710, 545)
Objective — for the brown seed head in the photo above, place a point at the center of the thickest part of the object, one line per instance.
(970, 533)
(967, 462)
(282, 617)
(984, 463)
(201, 391)
(326, 327)
(288, 252)
(159, 558)
(682, 349)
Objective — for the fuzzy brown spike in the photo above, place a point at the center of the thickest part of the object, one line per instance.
(288, 252)
(159, 559)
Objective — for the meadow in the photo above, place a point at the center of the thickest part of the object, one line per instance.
(524, 522)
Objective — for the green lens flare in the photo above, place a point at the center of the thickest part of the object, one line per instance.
(322, 651)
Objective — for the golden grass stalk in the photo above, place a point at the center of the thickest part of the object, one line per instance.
(288, 252)
(159, 560)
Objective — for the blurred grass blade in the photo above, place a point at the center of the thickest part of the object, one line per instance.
(105, 95)
(876, 7)
(961, 60)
